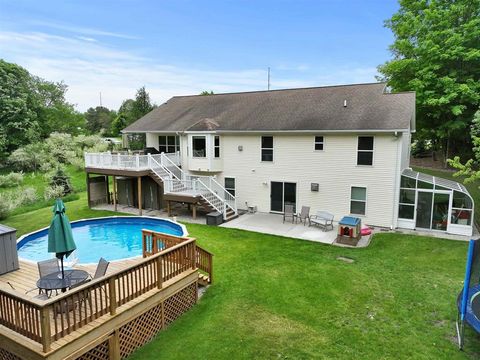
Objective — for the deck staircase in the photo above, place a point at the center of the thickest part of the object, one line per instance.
(213, 196)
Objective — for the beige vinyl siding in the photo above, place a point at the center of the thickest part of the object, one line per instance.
(334, 168)
(406, 140)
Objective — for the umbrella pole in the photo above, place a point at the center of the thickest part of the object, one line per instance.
(63, 273)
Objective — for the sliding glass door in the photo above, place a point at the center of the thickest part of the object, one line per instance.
(282, 193)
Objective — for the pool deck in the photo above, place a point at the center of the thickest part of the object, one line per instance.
(24, 280)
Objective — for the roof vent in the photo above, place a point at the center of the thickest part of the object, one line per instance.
(345, 103)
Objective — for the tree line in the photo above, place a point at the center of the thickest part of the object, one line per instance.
(32, 108)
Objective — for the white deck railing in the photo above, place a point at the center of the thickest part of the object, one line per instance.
(166, 166)
(120, 161)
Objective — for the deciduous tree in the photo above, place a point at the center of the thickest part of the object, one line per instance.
(436, 53)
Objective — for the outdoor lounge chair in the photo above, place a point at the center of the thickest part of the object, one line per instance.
(288, 212)
(304, 214)
(323, 219)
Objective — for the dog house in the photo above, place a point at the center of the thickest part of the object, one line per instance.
(432, 203)
(349, 230)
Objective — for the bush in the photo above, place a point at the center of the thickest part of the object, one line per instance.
(11, 180)
(29, 157)
(5, 207)
(28, 196)
(61, 179)
(53, 192)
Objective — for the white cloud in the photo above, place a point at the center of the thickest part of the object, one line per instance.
(83, 30)
(90, 67)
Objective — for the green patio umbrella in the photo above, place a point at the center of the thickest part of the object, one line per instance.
(60, 238)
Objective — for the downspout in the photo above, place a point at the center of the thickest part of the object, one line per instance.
(396, 181)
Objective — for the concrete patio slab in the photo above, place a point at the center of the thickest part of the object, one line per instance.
(273, 224)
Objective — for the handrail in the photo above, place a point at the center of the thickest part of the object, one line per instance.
(203, 258)
(177, 179)
(52, 319)
(204, 262)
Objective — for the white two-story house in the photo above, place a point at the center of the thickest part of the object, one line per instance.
(343, 149)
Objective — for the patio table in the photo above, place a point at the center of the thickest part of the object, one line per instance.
(55, 282)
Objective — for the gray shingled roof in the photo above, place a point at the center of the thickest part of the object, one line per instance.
(317, 109)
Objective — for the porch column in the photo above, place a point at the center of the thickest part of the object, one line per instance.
(139, 186)
(114, 178)
(194, 211)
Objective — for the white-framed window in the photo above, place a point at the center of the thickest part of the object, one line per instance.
(267, 148)
(406, 206)
(365, 150)
(358, 200)
(216, 146)
(230, 185)
(199, 146)
(319, 143)
(462, 207)
(168, 143)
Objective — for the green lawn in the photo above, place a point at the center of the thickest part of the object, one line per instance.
(277, 297)
(39, 183)
(473, 188)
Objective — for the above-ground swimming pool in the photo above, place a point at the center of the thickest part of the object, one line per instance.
(113, 238)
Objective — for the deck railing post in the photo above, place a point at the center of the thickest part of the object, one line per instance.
(137, 161)
(45, 328)
(149, 160)
(159, 272)
(112, 295)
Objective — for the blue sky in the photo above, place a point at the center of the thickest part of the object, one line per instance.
(184, 47)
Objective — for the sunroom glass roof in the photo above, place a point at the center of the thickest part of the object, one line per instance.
(449, 184)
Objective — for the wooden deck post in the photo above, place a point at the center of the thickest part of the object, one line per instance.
(112, 295)
(88, 189)
(139, 184)
(168, 208)
(159, 273)
(114, 192)
(107, 189)
(45, 327)
(114, 346)
(194, 211)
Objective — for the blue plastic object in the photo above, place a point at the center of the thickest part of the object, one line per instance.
(349, 221)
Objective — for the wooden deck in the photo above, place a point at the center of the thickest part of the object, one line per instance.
(99, 314)
(24, 280)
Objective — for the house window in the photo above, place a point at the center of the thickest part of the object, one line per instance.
(230, 185)
(216, 146)
(358, 200)
(365, 150)
(168, 144)
(199, 146)
(267, 148)
(319, 143)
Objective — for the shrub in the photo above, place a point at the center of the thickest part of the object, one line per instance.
(78, 163)
(61, 179)
(5, 207)
(29, 157)
(11, 180)
(53, 192)
(27, 196)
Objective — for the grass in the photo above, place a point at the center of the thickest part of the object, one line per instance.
(281, 298)
(37, 219)
(39, 183)
(473, 188)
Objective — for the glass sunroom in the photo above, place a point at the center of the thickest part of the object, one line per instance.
(432, 203)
